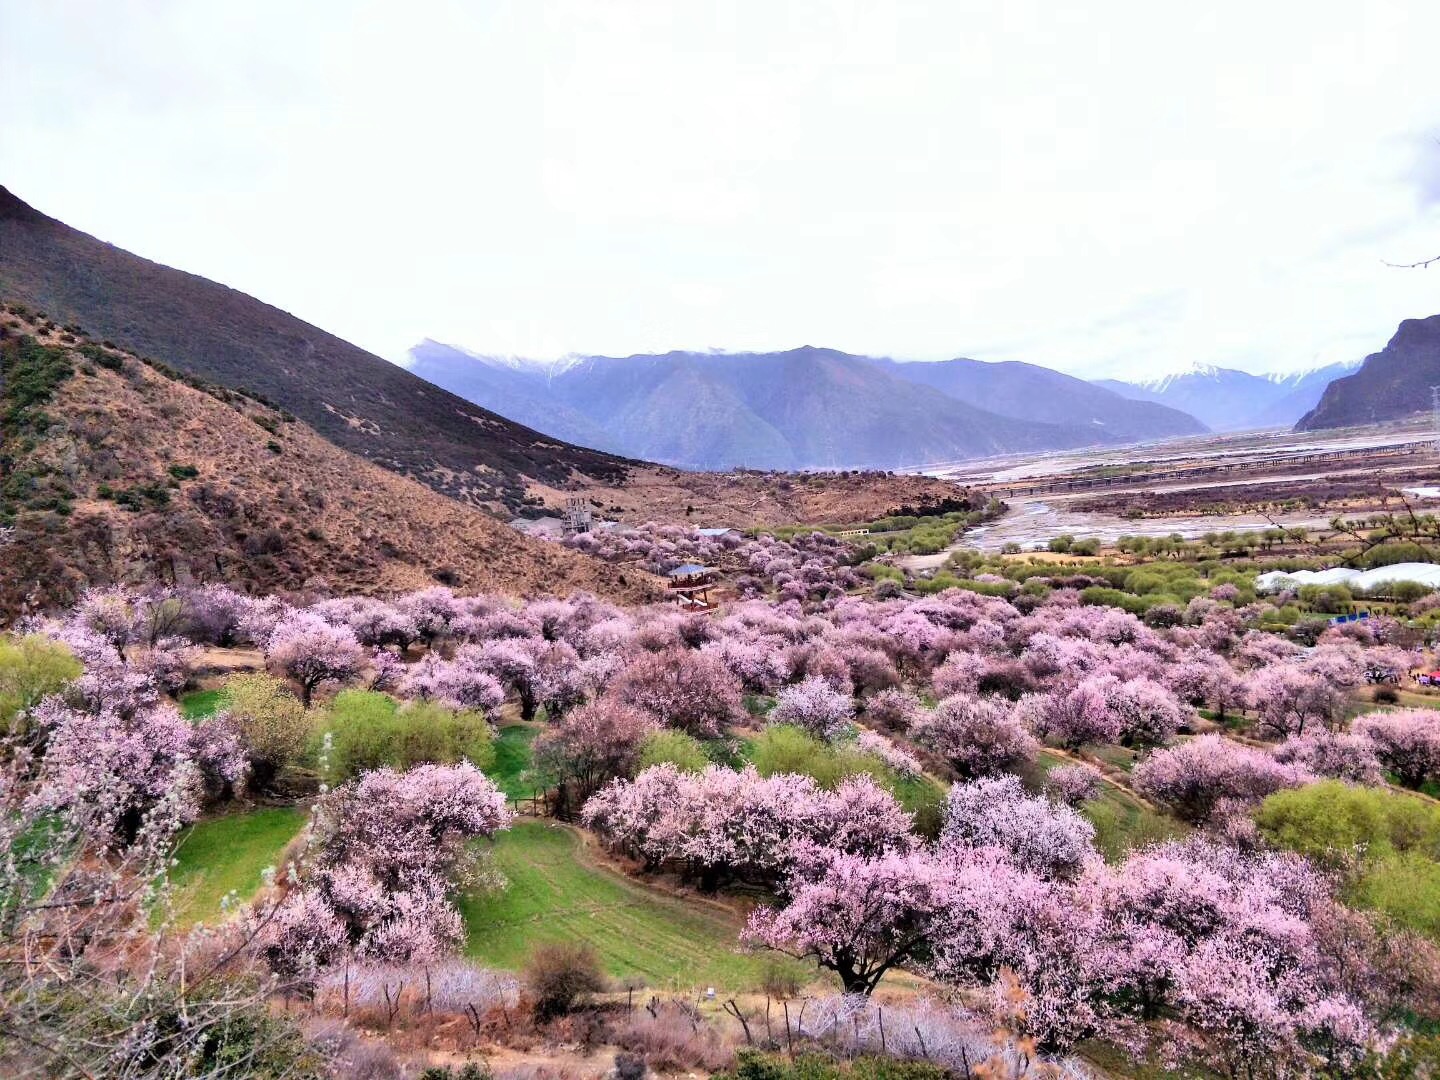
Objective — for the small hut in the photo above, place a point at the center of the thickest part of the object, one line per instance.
(691, 584)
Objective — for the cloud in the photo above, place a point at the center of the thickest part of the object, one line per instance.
(1116, 188)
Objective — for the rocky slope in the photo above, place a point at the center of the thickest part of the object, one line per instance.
(1391, 384)
(353, 398)
(119, 471)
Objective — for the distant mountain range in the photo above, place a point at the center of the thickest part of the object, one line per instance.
(1225, 399)
(803, 408)
(1391, 384)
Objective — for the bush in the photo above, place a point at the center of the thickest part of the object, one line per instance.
(1331, 821)
(560, 976)
(753, 1065)
(370, 730)
(272, 722)
(676, 748)
(1386, 841)
(471, 1070)
(1404, 886)
(30, 668)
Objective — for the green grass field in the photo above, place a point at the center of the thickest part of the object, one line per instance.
(512, 758)
(201, 703)
(227, 854)
(554, 896)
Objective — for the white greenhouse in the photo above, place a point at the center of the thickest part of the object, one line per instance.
(1427, 574)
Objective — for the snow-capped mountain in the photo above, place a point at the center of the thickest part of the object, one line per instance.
(1227, 399)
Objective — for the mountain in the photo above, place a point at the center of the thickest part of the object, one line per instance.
(1390, 384)
(353, 398)
(517, 390)
(1226, 399)
(1040, 394)
(801, 409)
(118, 471)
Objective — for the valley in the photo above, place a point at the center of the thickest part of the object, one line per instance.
(1227, 483)
(380, 732)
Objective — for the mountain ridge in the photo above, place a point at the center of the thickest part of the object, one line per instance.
(1389, 385)
(1228, 399)
(358, 400)
(807, 407)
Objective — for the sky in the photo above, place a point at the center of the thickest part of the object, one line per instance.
(1118, 188)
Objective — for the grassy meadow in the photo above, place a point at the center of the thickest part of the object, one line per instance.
(227, 854)
(556, 894)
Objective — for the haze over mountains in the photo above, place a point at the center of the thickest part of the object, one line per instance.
(803, 408)
(1225, 399)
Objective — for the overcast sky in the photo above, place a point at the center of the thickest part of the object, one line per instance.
(1108, 188)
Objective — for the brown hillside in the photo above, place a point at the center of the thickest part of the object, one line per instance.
(354, 398)
(742, 500)
(127, 473)
(382, 412)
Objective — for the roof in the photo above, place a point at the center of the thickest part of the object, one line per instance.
(1420, 573)
(689, 570)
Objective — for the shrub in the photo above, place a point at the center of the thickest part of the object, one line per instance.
(370, 730)
(471, 1070)
(1333, 821)
(562, 975)
(782, 749)
(271, 720)
(676, 748)
(1404, 886)
(30, 668)
(754, 1065)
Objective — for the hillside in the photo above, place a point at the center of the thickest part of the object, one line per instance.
(118, 471)
(801, 409)
(1039, 394)
(351, 397)
(1392, 383)
(1226, 399)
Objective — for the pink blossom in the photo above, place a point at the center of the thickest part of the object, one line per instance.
(1194, 776)
(1074, 785)
(1036, 834)
(976, 735)
(1340, 755)
(815, 706)
(312, 652)
(1407, 742)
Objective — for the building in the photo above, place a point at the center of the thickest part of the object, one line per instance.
(578, 516)
(1426, 574)
(691, 585)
